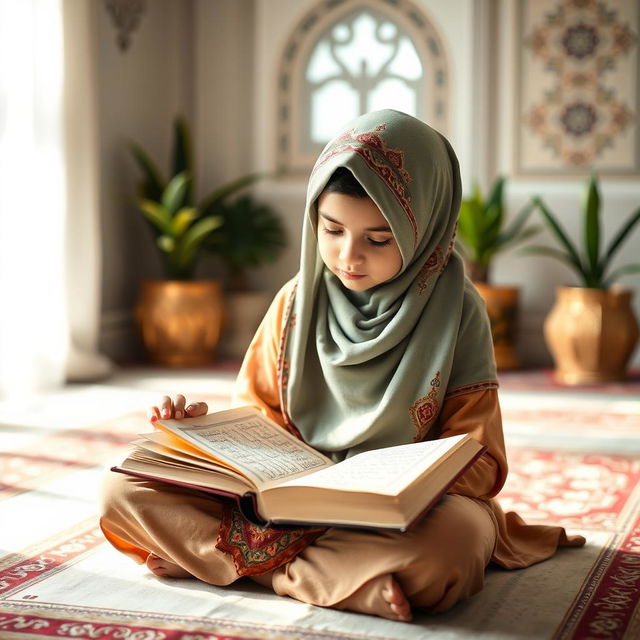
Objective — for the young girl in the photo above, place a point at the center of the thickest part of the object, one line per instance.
(380, 340)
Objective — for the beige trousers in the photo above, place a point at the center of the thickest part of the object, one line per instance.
(440, 561)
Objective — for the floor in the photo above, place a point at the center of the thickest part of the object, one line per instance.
(574, 461)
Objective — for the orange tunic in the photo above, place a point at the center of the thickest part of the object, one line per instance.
(475, 412)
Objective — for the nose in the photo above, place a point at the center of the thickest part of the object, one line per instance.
(350, 252)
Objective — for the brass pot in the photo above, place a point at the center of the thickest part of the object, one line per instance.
(502, 308)
(591, 334)
(180, 321)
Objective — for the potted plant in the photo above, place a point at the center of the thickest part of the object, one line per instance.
(591, 330)
(251, 236)
(483, 233)
(180, 318)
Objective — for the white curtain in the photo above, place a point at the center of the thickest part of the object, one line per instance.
(49, 235)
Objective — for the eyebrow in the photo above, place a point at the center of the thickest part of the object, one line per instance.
(330, 219)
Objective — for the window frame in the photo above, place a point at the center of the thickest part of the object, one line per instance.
(293, 107)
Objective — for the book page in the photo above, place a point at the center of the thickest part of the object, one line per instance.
(244, 438)
(385, 471)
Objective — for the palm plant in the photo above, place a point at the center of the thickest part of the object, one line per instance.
(179, 225)
(592, 266)
(482, 231)
(251, 235)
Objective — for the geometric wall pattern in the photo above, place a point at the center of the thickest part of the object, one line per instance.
(577, 87)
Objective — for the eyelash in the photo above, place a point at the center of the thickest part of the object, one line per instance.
(374, 243)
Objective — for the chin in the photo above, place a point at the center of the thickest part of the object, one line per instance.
(357, 285)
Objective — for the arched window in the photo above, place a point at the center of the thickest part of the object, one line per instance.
(345, 58)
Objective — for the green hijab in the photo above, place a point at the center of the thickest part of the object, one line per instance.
(364, 370)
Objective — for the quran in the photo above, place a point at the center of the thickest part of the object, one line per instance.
(277, 479)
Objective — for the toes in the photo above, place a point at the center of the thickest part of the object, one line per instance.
(155, 564)
(402, 611)
(397, 601)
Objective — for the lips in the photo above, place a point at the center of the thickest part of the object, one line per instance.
(347, 275)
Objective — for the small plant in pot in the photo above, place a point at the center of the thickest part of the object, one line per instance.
(180, 317)
(251, 236)
(591, 330)
(482, 234)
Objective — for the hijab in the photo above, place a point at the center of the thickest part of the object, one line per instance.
(370, 369)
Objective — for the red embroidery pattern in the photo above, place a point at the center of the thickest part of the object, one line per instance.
(433, 265)
(282, 370)
(388, 163)
(470, 388)
(452, 243)
(424, 411)
(255, 549)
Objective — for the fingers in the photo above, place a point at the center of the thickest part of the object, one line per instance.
(178, 406)
(175, 408)
(197, 409)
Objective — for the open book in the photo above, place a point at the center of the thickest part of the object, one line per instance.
(276, 478)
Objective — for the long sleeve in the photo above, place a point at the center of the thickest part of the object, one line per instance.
(257, 381)
(477, 413)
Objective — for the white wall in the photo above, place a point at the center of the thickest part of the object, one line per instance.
(140, 91)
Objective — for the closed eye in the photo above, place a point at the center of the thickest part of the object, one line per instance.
(379, 243)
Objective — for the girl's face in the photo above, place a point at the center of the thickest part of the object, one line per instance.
(356, 242)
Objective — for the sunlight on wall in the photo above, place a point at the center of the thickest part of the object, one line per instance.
(33, 339)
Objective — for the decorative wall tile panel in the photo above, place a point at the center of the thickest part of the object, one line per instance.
(577, 87)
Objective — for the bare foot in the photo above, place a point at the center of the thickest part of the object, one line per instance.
(164, 568)
(381, 596)
(397, 602)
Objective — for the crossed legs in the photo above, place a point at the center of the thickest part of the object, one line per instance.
(434, 565)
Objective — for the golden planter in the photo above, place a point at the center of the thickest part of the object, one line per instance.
(180, 321)
(502, 308)
(591, 334)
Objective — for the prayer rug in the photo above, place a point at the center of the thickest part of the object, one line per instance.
(60, 579)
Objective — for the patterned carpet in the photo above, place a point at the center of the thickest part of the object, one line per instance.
(574, 461)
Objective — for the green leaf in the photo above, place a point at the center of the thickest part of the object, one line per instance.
(166, 244)
(625, 230)
(155, 213)
(492, 220)
(220, 194)
(492, 223)
(554, 225)
(495, 199)
(174, 195)
(183, 154)
(558, 255)
(629, 268)
(252, 234)
(470, 225)
(153, 183)
(513, 230)
(507, 241)
(193, 238)
(592, 225)
(182, 220)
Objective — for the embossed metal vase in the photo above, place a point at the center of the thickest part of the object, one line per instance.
(180, 321)
(502, 308)
(591, 334)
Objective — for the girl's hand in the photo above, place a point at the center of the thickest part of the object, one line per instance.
(176, 409)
